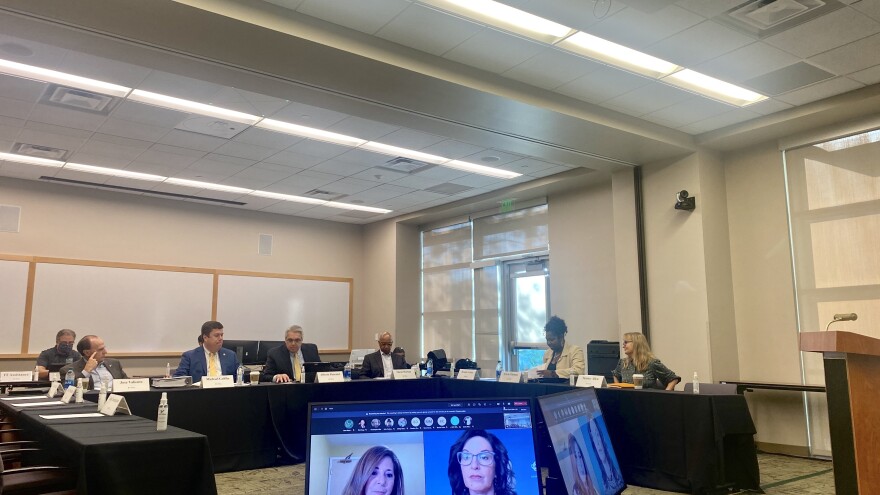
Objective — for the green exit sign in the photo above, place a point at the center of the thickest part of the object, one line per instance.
(507, 205)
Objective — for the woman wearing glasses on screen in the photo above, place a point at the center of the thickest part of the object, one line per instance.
(479, 465)
(378, 472)
(583, 483)
(640, 360)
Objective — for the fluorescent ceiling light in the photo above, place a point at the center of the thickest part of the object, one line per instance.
(713, 88)
(309, 132)
(481, 169)
(52, 76)
(288, 197)
(850, 141)
(387, 149)
(79, 167)
(505, 17)
(617, 55)
(207, 185)
(192, 107)
(30, 160)
(346, 206)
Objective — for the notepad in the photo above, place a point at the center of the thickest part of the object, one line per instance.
(71, 416)
(24, 398)
(33, 404)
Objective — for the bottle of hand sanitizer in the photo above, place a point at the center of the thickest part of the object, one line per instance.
(162, 416)
(696, 383)
(79, 391)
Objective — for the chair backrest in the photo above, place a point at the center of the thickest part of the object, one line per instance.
(712, 388)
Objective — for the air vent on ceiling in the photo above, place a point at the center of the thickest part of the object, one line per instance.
(322, 194)
(763, 18)
(448, 188)
(39, 151)
(139, 190)
(78, 99)
(405, 165)
(211, 126)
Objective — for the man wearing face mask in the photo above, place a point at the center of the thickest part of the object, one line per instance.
(63, 353)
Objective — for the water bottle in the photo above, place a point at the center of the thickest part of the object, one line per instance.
(36, 373)
(696, 383)
(102, 396)
(68, 379)
(239, 375)
(498, 370)
(167, 370)
(429, 368)
(346, 372)
(302, 373)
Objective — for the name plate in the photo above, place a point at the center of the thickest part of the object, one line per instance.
(115, 404)
(16, 376)
(131, 385)
(222, 381)
(54, 376)
(403, 374)
(53, 390)
(68, 394)
(511, 377)
(329, 377)
(467, 375)
(594, 381)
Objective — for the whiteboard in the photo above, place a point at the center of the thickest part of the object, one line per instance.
(261, 308)
(133, 310)
(13, 296)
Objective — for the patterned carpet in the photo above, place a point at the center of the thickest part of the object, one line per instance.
(779, 475)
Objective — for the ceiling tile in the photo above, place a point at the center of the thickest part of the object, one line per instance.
(319, 212)
(120, 141)
(253, 202)
(527, 165)
(55, 139)
(362, 128)
(428, 30)
(380, 193)
(287, 208)
(179, 86)
(41, 55)
(350, 185)
(10, 132)
(301, 183)
(732, 117)
(747, 62)
(16, 109)
(853, 57)
(247, 102)
(637, 29)
(768, 106)
(709, 8)
(267, 139)
(132, 130)
(318, 149)
(699, 43)
(113, 151)
(352, 14)
(453, 149)
(557, 169)
(99, 160)
(494, 51)
(870, 8)
(492, 158)
(152, 168)
(338, 167)
(382, 175)
(21, 171)
(262, 172)
(216, 167)
(364, 159)
(307, 115)
(820, 91)
(552, 68)
(690, 111)
(474, 180)
(647, 99)
(444, 174)
(825, 33)
(787, 79)
(414, 140)
(160, 157)
(244, 150)
(18, 88)
(66, 118)
(292, 159)
(417, 182)
(148, 114)
(192, 140)
(573, 13)
(103, 69)
(603, 85)
(867, 76)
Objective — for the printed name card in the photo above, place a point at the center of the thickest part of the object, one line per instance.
(16, 376)
(54, 376)
(222, 381)
(467, 375)
(115, 404)
(403, 374)
(131, 385)
(329, 377)
(68, 394)
(511, 377)
(594, 381)
(53, 390)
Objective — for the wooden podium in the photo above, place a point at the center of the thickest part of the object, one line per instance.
(852, 381)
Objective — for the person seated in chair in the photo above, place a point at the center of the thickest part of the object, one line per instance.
(210, 358)
(284, 362)
(382, 362)
(94, 363)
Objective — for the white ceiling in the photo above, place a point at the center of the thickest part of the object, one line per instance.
(503, 101)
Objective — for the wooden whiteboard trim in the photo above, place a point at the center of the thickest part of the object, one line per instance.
(16, 257)
(28, 307)
(115, 264)
(239, 273)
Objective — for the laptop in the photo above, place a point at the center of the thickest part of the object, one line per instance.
(313, 368)
(357, 356)
(580, 439)
(413, 441)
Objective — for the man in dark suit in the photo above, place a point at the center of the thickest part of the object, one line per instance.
(380, 363)
(94, 363)
(284, 362)
(210, 358)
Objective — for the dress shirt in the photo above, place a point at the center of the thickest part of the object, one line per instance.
(216, 359)
(387, 364)
(99, 375)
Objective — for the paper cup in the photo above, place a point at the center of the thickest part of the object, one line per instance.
(255, 377)
(638, 380)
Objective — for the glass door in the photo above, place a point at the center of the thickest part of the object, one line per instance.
(526, 300)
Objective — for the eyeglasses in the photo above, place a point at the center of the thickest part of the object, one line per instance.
(627, 342)
(485, 458)
(293, 341)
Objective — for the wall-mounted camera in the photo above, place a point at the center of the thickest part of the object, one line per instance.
(685, 202)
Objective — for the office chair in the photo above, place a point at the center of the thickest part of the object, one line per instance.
(33, 480)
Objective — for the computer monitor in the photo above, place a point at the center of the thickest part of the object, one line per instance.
(580, 438)
(357, 356)
(53, 367)
(245, 350)
(265, 347)
(417, 441)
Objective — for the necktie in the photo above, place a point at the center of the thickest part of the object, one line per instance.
(296, 367)
(212, 366)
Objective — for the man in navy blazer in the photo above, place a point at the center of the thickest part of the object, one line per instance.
(382, 362)
(279, 361)
(194, 363)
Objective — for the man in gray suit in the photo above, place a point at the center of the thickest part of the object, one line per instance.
(380, 363)
(94, 363)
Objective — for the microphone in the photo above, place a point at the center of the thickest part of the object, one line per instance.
(842, 317)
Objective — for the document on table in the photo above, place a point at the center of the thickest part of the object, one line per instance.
(28, 397)
(71, 416)
(32, 404)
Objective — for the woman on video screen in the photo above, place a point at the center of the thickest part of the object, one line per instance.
(377, 472)
(583, 484)
(479, 465)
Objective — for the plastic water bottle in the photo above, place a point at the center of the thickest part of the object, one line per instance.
(36, 373)
(162, 416)
(429, 368)
(346, 371)
(696, 383)
(302, 373)
(239, 375)
(498, 370)
(167, 370)
(68, 379)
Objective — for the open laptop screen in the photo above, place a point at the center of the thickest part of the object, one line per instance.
(580, 439)
(425, 446)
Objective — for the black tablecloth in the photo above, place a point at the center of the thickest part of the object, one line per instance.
(119, 454)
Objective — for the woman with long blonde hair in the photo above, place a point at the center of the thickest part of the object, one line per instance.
(583, 484)
(639, 359)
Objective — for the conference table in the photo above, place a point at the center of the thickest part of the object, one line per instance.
(664, 440)
(118, 454)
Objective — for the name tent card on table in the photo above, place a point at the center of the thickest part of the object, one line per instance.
(222, 381)
(594, 381)
(511, 377)
(131, 385)
(53, 390)
(115, 404)
(54, 376)
(68, 394)
(16, 376)
(407, 374)
(329, 377)
(467, 375)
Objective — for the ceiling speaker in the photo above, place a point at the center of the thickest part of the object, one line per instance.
(265, 247)
(10, 218)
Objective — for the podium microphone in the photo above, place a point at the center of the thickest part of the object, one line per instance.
(842, 317)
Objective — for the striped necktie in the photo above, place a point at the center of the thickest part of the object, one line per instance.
(212, 365)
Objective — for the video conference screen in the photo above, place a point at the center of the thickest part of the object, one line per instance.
(580, 439)
(422, 447)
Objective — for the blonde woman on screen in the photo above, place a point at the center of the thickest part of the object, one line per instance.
(377, 472)
(639, 359)
(583, 484)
